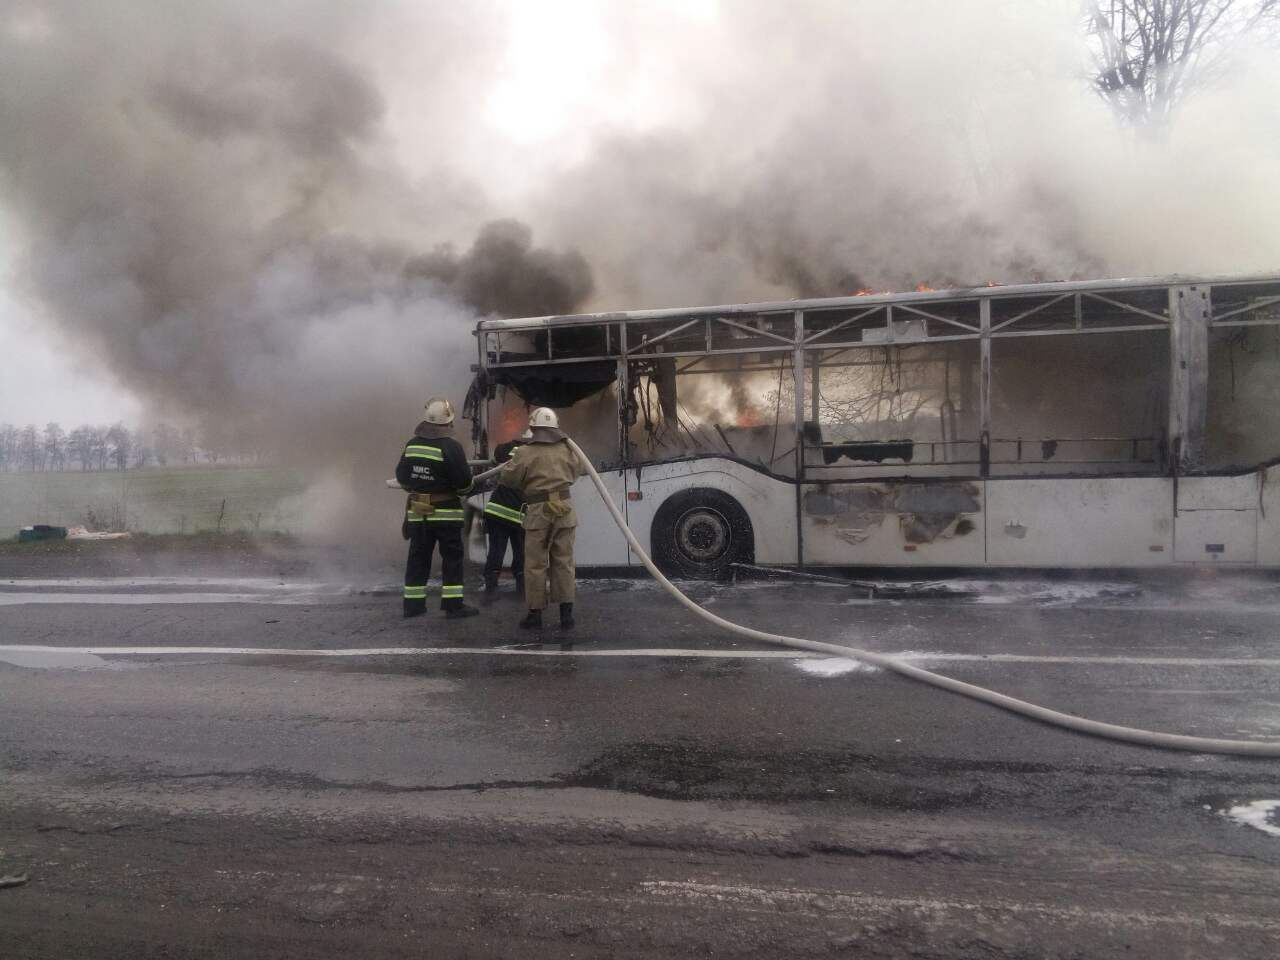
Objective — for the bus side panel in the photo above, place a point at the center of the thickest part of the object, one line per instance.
(1217, 520)
(769, 503)
(599, 542)
(1269, 518)
(1080, 522)
(894, 523)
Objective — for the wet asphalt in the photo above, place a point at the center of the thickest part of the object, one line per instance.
(639, 787)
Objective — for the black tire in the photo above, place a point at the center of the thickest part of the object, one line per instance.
(700, 534)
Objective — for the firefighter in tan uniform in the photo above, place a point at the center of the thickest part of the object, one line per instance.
(542, 471)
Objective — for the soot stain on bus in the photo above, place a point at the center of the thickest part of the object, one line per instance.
(925, 511)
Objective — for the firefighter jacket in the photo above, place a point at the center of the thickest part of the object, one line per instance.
(540, 472)
(506, 505)
(434, 469)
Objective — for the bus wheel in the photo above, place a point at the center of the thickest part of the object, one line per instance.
(700, 534)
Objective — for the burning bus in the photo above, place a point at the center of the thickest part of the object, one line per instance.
(1101, 424)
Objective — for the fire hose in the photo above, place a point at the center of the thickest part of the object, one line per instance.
(1097, 728)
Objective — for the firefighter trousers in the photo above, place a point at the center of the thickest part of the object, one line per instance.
(548, 554)
(424, 537)
(500, 534)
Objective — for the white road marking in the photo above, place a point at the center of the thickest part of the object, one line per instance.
(710, 654)
(826, 902)
(91, 583)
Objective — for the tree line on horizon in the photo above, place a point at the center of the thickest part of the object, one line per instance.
(102, 447)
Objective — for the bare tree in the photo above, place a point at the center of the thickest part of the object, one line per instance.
(1150, 54)
(30, 452)
(8, 447)
(188, 445)
(55, 452)
(892, 393)
(80, 446)
(100, 445)
(166, 443)
(120, 442)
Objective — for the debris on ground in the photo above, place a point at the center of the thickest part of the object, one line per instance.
(83, 533)
(13, 880)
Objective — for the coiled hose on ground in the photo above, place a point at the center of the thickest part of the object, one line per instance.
(1111, 731)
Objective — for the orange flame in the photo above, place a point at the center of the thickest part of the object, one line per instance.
(749, 417)
(923, 288)
(511, 425)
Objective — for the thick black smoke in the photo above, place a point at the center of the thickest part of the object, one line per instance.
(504, 274)
(213, 214)
(207, 206)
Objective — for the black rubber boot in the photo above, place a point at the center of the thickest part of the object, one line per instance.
(532, 620)
(520, 584)
(490, 585)
(566, 616)
(461, 611)
(414, 608)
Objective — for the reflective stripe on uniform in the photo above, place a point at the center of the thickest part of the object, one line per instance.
(424, 453)
(445, 516)
(412, 517)
(451, 592)
(503, 512)
(415, 593)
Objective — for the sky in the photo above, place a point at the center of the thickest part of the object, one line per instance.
(43, 379)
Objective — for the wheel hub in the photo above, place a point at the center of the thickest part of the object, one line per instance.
(703, 535)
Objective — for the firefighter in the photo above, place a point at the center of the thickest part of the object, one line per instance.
(503, 519)
(541, 472)
(434, 469)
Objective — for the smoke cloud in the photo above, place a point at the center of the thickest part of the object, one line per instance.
(837, 147)
(252, 213)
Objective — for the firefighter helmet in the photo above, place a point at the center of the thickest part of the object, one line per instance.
(544, 417)
(439, 412)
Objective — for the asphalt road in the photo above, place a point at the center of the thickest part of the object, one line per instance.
(325, 779)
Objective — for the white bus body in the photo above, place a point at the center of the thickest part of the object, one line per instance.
(1146, 502)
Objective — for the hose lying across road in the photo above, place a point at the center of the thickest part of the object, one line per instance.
(1111, 731)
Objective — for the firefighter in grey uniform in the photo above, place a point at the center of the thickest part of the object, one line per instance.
(542, 471)
(503, 521)
(434, 469)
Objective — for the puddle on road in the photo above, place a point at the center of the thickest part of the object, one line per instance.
(10, 599)
(834, 667)
(1261, 815)
(180, 590)
(60, 660)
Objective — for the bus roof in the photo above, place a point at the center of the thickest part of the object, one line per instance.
(861, 300)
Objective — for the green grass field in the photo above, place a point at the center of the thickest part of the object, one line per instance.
(153, 500)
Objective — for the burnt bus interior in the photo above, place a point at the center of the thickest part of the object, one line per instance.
(1121, 377)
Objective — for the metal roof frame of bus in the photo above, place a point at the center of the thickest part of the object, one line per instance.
(996, 291)
(1186, 318)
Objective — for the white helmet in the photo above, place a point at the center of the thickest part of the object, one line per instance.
(527, 435)
(544, 417)
(439, 412)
